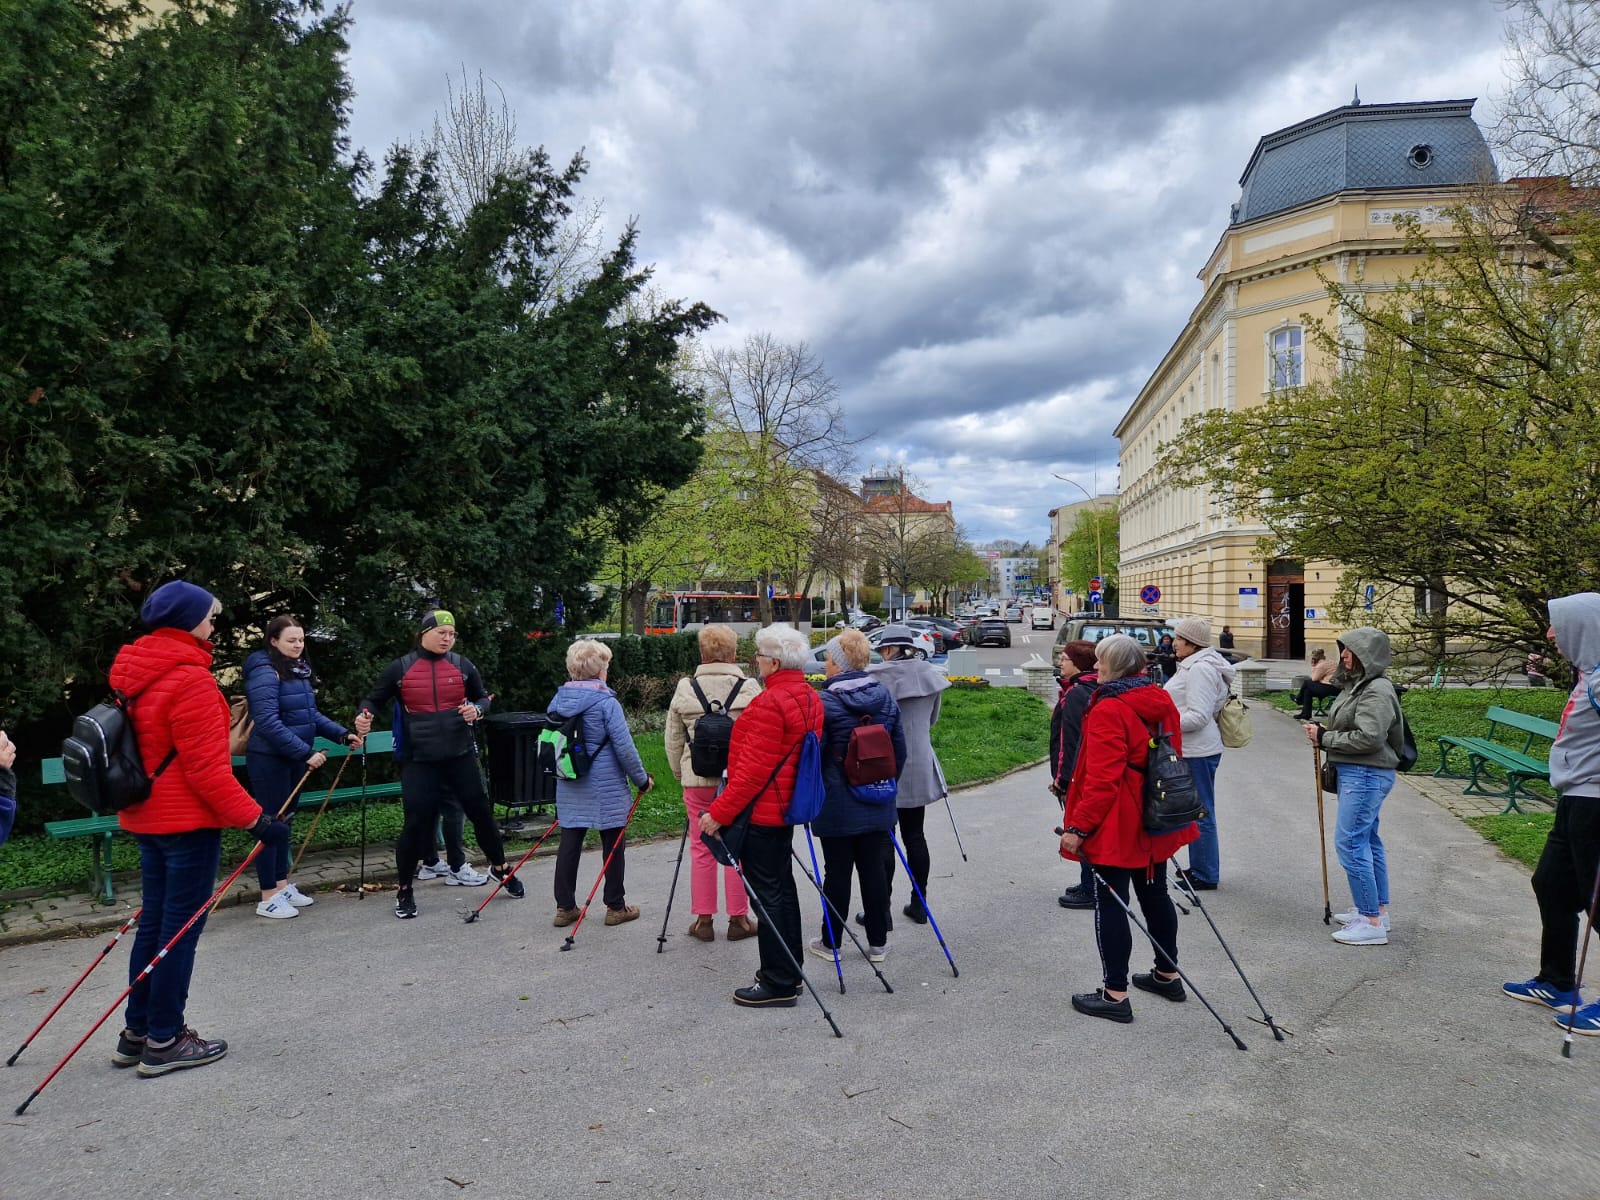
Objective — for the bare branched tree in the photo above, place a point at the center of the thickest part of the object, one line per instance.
(778, 396)
(1550, 122)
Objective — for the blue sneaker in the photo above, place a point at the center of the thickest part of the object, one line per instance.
(1537, 991)
(1586, 1020)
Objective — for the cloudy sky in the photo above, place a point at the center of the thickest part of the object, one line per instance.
(984, 218)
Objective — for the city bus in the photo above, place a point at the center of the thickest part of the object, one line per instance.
(671, 612)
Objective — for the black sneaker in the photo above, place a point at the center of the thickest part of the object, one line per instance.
(1095, 1004)
(761, 996)
(188, 1049)
(917, 914)
(513, 885)
(1076, 897)
(405, 904)
(1172, 989)
(861, 919)
(130, 1049)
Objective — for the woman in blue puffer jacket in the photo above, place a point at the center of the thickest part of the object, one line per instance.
(854, 833)
(283, 707)
(601, 799)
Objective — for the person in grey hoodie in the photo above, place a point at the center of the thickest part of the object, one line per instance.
(1363, 737)
(1569, 868)
(1199, 687)
(915, 685)
(601, 799)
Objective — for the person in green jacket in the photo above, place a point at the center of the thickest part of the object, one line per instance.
(1363, 737)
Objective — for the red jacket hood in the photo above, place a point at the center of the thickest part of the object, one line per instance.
(141, 663)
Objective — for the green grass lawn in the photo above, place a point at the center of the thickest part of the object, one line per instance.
(983, 733)
(1518, 835)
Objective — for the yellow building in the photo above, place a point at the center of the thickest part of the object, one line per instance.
(1319, 196)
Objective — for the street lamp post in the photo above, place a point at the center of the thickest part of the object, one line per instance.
(1094, 507)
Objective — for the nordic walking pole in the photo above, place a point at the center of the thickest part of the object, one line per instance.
(1101, 886)
(202, 911)
(615, 846)
(952, 812)
(104, 950)
(827, 908)
(473, 915)
(1322, 832)
(761, 911)
(338, 775)
(661, 942)
(843, 924)
(1583, 958)
(278, 816)
(1194, 898)
(361, 887)
(923, 900)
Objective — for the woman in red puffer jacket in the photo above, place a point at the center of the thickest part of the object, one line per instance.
(763, 757)
(1105, 826)
(180, 720)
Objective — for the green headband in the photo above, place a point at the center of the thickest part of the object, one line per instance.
(438, 616)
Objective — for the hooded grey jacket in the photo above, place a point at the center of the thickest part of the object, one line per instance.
(1199, 688)
(915, 686)
(1575, 756)
(1364, 722)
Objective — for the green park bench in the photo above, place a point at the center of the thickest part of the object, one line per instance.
(103, 829)
(1519, 766)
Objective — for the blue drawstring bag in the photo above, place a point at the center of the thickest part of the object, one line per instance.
(806, 804)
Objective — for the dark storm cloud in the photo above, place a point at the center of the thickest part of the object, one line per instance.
(985, 219)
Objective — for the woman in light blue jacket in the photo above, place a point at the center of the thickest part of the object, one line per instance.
(601, 799)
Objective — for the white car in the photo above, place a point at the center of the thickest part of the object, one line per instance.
(1043, 617)
(922, 643)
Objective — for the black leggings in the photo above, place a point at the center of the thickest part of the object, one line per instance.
(570, 851)
(422, 788)
(915, 844)
(1564, 884)
(864, 853)
(1115, 935)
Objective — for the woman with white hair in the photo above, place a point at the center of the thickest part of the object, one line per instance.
(717, 685)
(1105, 826)
(601, 799)
(763, 761)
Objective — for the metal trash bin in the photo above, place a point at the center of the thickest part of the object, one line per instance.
(515, 781)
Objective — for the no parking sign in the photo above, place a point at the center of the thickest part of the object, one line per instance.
(1150, 594)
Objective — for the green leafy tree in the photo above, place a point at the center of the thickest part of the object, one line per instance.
(1091, 548)
(1451, 461)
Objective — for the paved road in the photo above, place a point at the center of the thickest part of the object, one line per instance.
(377, 1058)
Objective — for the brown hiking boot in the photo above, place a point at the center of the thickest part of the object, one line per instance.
(740, 928)
(620, 916)
(564, 917)
(703, 930)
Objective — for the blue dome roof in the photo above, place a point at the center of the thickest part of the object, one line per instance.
(1430, 144)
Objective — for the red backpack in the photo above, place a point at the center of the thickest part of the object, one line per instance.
(869, 763)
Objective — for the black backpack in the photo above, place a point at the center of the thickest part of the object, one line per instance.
(1171, 800)
(101, 760)
(708, 748)
(561, 752)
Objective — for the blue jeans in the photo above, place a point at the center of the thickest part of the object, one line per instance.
(180, 873)
(1205, 862)
(272, 778)
(1361, 793)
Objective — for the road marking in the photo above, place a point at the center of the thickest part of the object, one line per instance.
(991, 670)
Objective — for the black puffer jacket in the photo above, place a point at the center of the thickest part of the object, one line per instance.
(1066, 726)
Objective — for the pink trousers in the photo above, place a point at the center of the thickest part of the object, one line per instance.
(703, 867)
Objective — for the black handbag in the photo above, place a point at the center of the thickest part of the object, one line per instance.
(727, 844)
(1330, 776)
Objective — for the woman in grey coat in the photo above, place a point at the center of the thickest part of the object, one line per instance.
(1363, 739)
(915, 686)
(601, 799)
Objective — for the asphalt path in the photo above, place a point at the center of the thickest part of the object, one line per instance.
(372, 1057)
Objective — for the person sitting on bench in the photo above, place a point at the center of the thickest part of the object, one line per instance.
(1317, 686)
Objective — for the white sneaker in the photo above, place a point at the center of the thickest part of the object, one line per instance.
(465, 877)
(278, 908)
(820, 948)
(1354, 915)
(1361, 933)
(434, 870)
(876, 954)
(296, 897)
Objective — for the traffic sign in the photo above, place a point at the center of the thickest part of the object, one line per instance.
(1096, 584)
(1150, 594)
(1096, 599)
(1371, 595)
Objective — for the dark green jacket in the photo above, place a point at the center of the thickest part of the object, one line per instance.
(1363, 725)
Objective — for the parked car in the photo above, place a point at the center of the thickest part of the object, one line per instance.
(989, 631)
(946, 633)
(817, 659)
(1044, 617)
(1013, 614)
